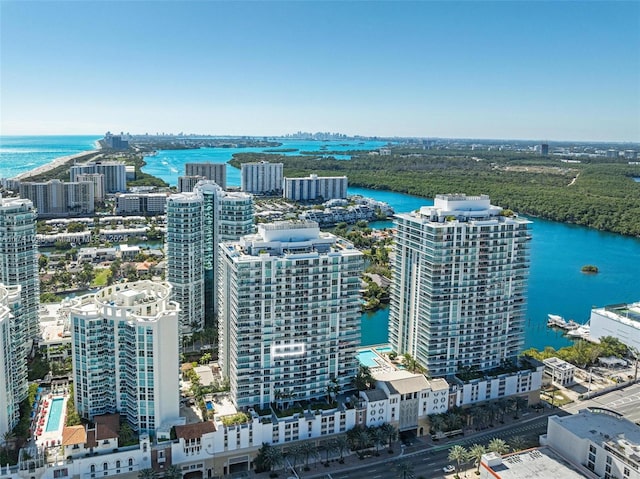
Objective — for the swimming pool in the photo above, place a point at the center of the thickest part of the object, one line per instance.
(367, 358)
(209, 406)
(385, 349)
(55, 414)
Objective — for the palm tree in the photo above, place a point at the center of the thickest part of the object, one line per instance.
(458, 454)
(342, 443)
(438, 423)
(475, 452)
(521, 404)
(405, 471)
(329, 447)
(503, 405)
(295, 453)
(390, 432)
(517, 443)
(364, 379)
(308, 450)
(498, 445)
(378, 438)
(147, 474)
(362, 438)
(173, 472)
(8, 438)
(272, 457)
(412, 364)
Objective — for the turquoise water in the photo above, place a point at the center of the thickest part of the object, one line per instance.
(169, 164)
(209, 406)
(367, 358)
(558, 251)
(384, 350)
(55, 414)
(22, 153)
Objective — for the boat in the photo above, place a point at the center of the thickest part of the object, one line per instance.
(580, 332)
(555, 320)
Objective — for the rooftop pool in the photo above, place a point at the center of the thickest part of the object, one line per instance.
(55, 414)
(367, 358)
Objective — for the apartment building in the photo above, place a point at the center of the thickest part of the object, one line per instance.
(315, 188)
(262, 178)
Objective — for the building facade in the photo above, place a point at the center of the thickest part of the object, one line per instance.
(315, 188)
(19, 261)
(227, 216)
(187, 183)
(125, 354)
(289, 313)
(601, 440)
(150, 204)
(458, 298)
(115, 174)
(13, 359)
(262, 178)
(98, 184)
(185, 257)
(57, 198)
(211, 171)
(622, 321)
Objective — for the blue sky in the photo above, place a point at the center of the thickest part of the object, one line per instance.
(531, 70)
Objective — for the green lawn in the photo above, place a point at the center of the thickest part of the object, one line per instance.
(101, 278)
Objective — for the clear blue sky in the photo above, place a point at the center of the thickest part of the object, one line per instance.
(536, 70)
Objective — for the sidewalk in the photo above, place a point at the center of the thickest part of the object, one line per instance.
(420, 444)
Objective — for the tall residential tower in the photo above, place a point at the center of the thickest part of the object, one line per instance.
(185, 262)
(458, 297)
(125, 354)
(19, 260)
(289, 319)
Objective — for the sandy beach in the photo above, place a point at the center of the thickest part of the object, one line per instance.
(54, 164)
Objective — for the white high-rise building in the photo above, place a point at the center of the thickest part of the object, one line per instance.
(185, 257)
(289, 319)
(13, 359)
(19, 260)
(115, 174)
(315, 187)
(458, 297)
(125, 354)
(98, 184)
(227, 216)
(262, 178)
(211, 171)
(56, 198)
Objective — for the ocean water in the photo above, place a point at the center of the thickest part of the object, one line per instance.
(558, 251)
(169, 164)
(22, 153)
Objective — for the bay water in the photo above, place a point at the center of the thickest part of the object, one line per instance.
(558, 251)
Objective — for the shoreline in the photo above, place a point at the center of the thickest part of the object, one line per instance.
(53, 164)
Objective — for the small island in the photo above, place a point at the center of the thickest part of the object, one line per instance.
(589, 268)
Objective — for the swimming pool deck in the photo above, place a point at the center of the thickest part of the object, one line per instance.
(375, 358)
(41, 436)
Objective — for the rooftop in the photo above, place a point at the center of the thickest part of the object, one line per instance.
(539, 463)
(605, 427)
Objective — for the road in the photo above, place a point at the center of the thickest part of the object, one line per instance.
(429, 461)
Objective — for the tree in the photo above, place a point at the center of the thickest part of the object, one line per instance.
(390, 433)
(475, 453)
(342, 444)
(364, 379)
(147, 473)
(268, 458)
(205, 358)
(378, 438)
(43, 261)
(520, 404)
(296, 453)
(517, 443)
(173, 472)
(308, 450)
(404, 470)
(412, 364)
(458, 454)
(498, 445)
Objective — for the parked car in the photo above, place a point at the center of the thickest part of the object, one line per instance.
(448, 468)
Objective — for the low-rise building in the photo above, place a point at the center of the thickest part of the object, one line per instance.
(141, 203)
(560, 372)
(601, 440)
(622, 321)
(540, 462)
(315, 187)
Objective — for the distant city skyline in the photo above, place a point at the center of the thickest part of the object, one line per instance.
(550, 71)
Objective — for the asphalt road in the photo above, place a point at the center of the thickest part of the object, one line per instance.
(429, 461)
